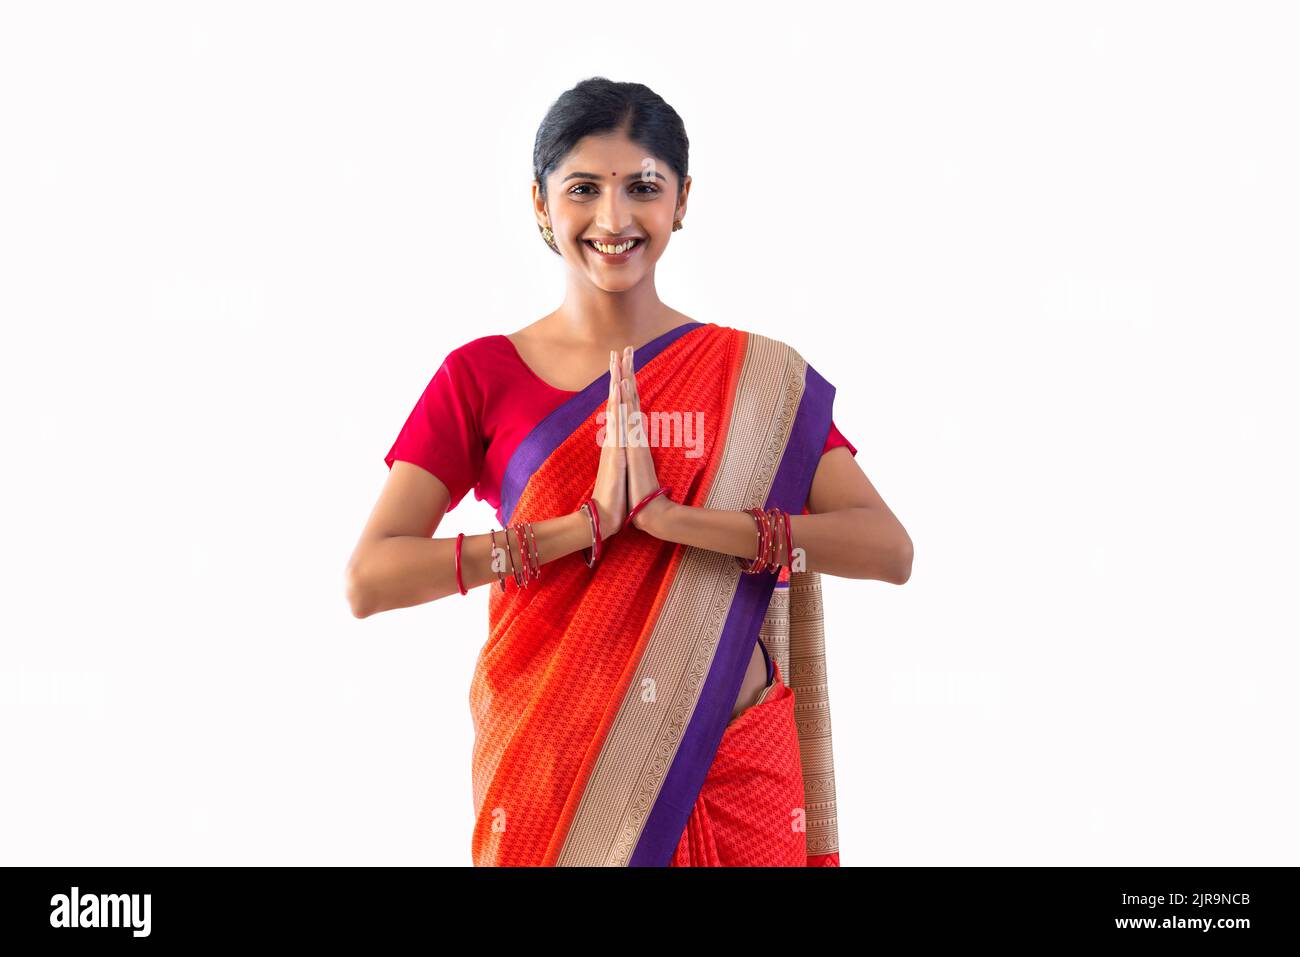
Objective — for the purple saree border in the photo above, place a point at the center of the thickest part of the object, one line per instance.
(547, 434)
(695, 753)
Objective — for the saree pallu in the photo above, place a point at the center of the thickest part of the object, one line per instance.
(602, 699)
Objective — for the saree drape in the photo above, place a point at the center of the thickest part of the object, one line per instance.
(602, 698)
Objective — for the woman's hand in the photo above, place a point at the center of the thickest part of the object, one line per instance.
(610, 491)
(641, 476)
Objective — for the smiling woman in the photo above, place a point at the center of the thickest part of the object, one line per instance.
(653, 689)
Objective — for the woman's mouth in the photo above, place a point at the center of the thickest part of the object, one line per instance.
(618, 252)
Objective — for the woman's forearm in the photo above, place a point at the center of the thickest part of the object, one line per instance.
(404, 570)
(850, 542)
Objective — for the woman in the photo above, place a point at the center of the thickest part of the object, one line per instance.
(669, 492)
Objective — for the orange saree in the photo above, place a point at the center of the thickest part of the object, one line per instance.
(602, 698)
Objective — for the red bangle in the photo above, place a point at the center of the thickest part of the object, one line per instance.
(789, 541)
(459, 584)
(518, 529)
(756, 564)
(662, 490)
(594, 549)
(747, 564)
(510, 553)
(535, 555)
(778, 531)
(521, 570)
(496, 559)
(769, 536)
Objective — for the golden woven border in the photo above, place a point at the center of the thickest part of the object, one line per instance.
(794, 632)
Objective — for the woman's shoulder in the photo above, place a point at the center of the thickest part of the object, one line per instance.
(500, 345)
(766, 339)
(479, 346)
(750, 338)
(468, 369)
(473, 357)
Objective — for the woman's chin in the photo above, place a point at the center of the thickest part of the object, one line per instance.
(619, 283)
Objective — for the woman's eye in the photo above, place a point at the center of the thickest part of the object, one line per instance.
(649, 190)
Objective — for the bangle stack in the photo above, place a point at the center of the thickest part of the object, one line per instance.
(529, 568)
(772, 528)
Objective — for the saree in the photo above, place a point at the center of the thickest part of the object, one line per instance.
(601, 701)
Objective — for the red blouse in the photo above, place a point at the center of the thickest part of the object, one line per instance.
(480, 404)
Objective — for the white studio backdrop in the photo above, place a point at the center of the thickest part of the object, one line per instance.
(1045, 252)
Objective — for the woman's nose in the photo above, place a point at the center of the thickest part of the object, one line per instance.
(613, 215)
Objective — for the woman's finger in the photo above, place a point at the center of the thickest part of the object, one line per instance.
(622, 402)
(636, 420)
(613, 425)
(629, 379)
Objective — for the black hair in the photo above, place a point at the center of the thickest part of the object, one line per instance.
(599, 105)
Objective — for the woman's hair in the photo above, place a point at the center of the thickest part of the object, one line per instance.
(597, 105)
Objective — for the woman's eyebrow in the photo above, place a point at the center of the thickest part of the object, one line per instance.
(597, 176)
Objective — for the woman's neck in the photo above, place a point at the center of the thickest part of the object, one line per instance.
(593, 316)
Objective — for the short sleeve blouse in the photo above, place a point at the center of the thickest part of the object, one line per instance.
(443, 434)
(464, 432)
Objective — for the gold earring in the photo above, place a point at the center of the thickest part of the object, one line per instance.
(677, 224)
(549, 237)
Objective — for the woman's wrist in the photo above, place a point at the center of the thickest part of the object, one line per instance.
(655, 516)
(608, 524)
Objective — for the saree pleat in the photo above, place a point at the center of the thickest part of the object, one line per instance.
(602, 697)
(750, 810)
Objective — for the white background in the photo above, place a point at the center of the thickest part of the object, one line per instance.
(1045, 252)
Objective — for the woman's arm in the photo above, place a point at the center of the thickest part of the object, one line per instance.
(397, 564)
(852, 533)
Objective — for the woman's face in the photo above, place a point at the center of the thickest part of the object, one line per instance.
(608, 190)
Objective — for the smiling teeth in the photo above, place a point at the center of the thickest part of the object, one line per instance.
(614, 250)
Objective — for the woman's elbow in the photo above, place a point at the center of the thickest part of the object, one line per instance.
(901, 567)
(358, 591)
